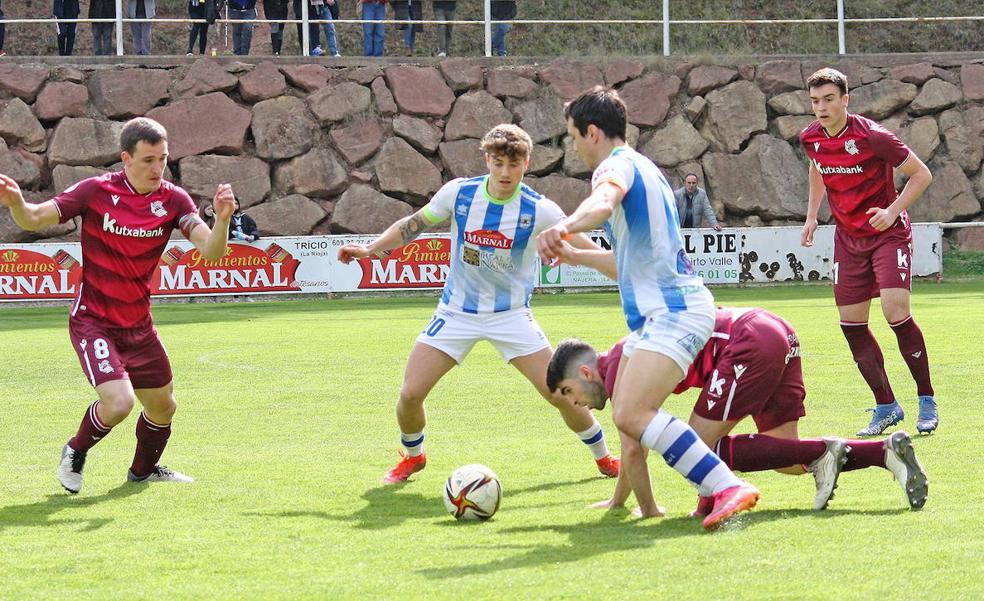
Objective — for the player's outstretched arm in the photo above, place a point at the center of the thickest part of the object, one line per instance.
(213, 242)
(812, 207)
(31, 217)
(395, 236)
(593, 211)
(583, 251)
(919, 179)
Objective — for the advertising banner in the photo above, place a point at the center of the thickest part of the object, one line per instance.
(308, 264)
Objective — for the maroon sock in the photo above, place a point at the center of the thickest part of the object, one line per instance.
(864, 453)
(869, 359)
(91, 430)
(912, 345)
(755, 452)
(151, 440)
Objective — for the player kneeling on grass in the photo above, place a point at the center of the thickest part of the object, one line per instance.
(751, 366)
(127, 219)
(487, 294)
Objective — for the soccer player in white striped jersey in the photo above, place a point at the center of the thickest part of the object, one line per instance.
(669, 312)
(487, 293)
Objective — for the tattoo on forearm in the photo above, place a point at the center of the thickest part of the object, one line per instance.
(412, 227)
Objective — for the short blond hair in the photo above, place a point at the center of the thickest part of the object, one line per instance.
(508, 140)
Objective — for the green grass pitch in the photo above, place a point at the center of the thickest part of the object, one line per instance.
(286, 420)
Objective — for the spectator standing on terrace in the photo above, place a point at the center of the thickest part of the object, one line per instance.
(444, 11)
(66, 9)
(102, 33)
(141, 9)
(242, 33)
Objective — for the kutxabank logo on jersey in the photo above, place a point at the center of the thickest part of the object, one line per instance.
(837, 170)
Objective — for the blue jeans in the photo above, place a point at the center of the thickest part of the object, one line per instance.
(372, 33)
(242, 35)
(329, 29)
(499, 31)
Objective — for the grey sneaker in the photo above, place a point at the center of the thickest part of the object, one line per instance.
(883, 416)
(160, 474)
(826, 469)
(900, 459)
(70, 469)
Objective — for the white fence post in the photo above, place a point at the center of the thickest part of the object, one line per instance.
(840, 28)
(305, 30)
(119, 27)
(488, 27)
(666, 27)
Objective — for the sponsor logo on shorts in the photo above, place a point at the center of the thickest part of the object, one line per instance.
(903, 258)
(739, 370)
(716, 386)
(691, 343)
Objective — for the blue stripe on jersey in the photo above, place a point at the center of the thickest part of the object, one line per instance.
(525, 226)
(462, 207)
(679, 446)
(639, 237)
(493, 221)
(594, 438)
(703, 467)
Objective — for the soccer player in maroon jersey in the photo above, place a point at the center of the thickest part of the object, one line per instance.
(127, 218)
(853, 159)
(751, 366)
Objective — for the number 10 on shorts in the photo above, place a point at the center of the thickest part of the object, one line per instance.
(435, 325)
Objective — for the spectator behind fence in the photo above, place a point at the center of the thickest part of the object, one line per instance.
(141, 9)
(409, 10)
(242, 226)
(275, 10)
(3, 30)
(372, 33)
(329, 12)
(201, 9)
(693, 204)
(444, 11)
(502, 10)
(242, 33)
(66, 9)
(314, 14)
(102, 33)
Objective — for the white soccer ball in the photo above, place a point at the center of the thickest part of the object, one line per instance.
(472, 492)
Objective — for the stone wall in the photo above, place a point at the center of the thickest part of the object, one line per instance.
(350, 146)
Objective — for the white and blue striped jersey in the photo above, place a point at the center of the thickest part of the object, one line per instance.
(493, 244)
(655, 274)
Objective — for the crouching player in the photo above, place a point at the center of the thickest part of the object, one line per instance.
(751, 366)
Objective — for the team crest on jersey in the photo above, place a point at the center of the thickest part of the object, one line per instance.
(105, 367)
(851, 146)
(157, 208)
(526, 221)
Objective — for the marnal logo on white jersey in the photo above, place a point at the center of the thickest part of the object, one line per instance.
(488, 238)
(851, 146)
(837, 170)
(109, 225)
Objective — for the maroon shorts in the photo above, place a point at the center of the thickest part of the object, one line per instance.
(864, 266)
(108, 354)
(759, 374)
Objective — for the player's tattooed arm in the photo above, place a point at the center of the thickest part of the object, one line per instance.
(402, 232)
(412, 227)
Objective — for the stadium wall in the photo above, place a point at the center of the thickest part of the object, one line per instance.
(346, 146)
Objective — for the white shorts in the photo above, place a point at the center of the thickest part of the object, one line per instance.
(513, 333)
(679, 336)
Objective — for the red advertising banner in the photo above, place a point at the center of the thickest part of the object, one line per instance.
(419, 264)
(266, 267)
(29, 275)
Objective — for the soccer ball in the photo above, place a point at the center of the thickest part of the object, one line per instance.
(472, 492)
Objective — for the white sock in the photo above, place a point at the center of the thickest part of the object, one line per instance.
(685, 452)
(595, 439)
(413, 443)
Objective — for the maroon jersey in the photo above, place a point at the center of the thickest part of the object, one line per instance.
(123, 235)
(857, 169)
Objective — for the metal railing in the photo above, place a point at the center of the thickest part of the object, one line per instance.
(666, 22)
